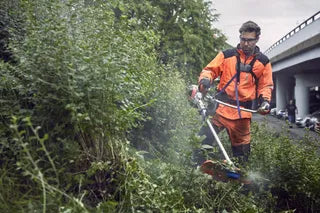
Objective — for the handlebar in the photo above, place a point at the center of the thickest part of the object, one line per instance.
(232, 106)
(198, 96)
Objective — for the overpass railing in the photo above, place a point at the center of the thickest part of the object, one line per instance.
(295, 30)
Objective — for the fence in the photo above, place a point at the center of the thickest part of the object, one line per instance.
(295, 30)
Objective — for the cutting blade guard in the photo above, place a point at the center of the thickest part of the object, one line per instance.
(220, 171)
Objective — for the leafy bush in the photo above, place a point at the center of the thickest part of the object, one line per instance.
(88, 92)
(290, 167)
(83, 82)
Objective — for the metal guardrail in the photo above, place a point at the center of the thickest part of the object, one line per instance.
(295, 30)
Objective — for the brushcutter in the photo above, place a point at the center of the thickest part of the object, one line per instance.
(220, 171)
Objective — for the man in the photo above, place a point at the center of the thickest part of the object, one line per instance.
(292, 110)
(245, 76)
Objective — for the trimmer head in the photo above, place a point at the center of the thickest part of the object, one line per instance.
(220, 171)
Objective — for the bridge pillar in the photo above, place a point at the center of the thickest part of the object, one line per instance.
(303, 83)
(302, 98)
(281, 91)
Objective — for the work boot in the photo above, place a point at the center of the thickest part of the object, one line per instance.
(241, 152)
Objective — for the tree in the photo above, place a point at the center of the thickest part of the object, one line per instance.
(187, 38)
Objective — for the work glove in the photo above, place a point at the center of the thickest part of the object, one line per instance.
(264, 108)
(204, 85)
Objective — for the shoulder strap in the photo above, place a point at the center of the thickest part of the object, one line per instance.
(251, 70)
(238, 67)
(227, 54)
(256, 80)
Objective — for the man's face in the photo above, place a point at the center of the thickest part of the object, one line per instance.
(248, 42)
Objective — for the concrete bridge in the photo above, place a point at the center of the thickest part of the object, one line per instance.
(295, 60)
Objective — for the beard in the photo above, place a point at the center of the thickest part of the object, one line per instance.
(247, 50)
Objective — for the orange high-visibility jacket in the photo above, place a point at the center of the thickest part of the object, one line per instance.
(224, 66)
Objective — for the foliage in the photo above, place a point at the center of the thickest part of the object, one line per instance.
(85, 83)
(174, 119)
(291, 167)
(9, 19)
(37, 176)
(188, 39)
(95, 115)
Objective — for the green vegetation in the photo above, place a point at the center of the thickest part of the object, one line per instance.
(95, 117)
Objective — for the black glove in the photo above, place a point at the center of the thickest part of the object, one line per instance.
(204, 84)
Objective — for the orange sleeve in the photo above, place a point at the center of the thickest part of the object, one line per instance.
(265, 86)
(213, 69)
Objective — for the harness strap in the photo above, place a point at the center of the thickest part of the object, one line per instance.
(237, 82)
(246, 67)
(237, 97)
(256, 80)
(237, 77)
(238, 68)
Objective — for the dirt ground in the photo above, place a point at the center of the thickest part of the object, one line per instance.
(282, 127)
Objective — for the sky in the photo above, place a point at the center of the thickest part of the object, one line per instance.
(276, 18)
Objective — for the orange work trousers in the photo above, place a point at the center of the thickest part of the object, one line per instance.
(238, 130)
